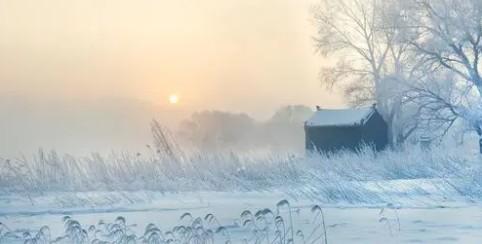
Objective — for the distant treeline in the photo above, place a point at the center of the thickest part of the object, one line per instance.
(218, 130)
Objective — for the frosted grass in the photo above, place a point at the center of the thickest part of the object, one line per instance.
(270, 226)
(167, 167)
(340, 177)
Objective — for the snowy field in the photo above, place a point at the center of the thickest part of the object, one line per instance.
(429, 196)
(344, 224)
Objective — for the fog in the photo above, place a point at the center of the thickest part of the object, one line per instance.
(82, 76)
(80, 127)
(77, 126)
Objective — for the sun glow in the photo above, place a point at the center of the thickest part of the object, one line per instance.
(173, 99)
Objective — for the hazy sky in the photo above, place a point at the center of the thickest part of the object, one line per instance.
(239, 55)
(249, 55)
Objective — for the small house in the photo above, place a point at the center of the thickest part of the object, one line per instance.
(330, 130)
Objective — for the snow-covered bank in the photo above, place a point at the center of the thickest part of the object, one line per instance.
(416, 193)
(418, 210)
(344, 224)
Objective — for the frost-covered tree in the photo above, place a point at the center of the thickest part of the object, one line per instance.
(374, 62)
(447, 37)
(225, 131)
(218, 130)
(291, 114)
(434, 98)
(449, 34)
(284, 130)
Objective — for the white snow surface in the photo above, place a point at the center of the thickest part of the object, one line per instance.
(340, 117)
(457, 222)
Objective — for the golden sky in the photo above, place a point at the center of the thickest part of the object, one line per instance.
(241, 55)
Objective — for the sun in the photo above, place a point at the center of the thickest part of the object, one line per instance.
(173, 99)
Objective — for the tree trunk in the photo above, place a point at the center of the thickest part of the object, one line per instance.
(392, 134)
(391, 137)
(479, 132)
(390, 119)
(480, 144)
(478, 83)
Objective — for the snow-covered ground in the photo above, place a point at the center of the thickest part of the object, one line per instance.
(449, 222)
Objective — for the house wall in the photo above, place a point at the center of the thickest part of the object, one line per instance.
(330, 139)
(375, 132)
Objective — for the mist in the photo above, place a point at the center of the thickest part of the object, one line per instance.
(77, 127)
(81, 127)
(83, 76)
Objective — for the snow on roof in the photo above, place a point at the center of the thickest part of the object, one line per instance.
(340, 117)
